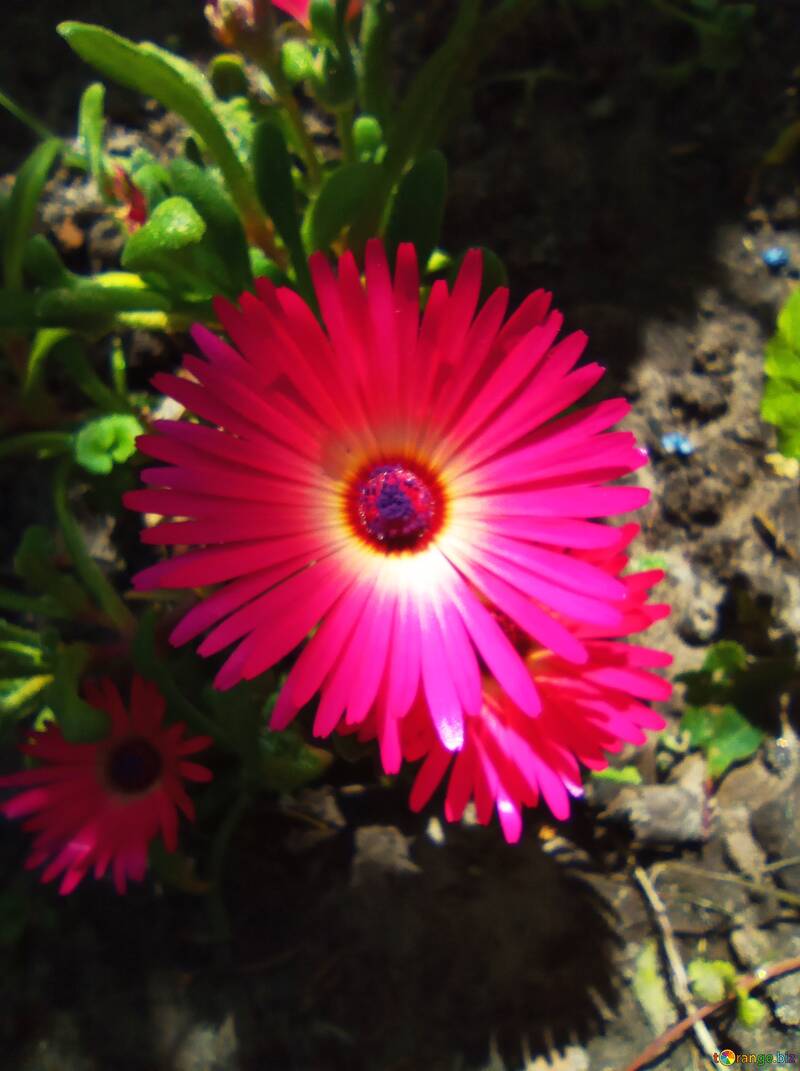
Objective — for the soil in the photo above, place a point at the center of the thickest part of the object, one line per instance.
(603, 158)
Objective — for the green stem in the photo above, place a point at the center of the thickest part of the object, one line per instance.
(304, 142)
(220, 919)
(39, 605)
(344, 128)
(25, 117)
(87, 568)
(54, 442)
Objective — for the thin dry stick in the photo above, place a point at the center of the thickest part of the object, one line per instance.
(680, 982)
(745, 984)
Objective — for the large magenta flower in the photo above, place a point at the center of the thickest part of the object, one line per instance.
(384, 479)
(509, 760)
(100, 804)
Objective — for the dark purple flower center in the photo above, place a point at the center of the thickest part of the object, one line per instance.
(134, 766)
(396, 507)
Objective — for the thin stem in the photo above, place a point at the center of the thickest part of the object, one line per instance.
(680, 980)
(25, 117)
(746, 983)
(87, 568)
(219, 849)
(54, 442)
(344, 128)
(305, 145)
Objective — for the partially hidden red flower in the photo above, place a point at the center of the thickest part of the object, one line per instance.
(391, 480)
(127, 193)
(299, 9)
(234, 22)
(99, 805)
(510, 760)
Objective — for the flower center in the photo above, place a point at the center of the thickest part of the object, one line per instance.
(396, 507)
(134, 766)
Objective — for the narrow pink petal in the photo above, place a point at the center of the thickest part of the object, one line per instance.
(500, 655)
(279, 619)
(438, 683)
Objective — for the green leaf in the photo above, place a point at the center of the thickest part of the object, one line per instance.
(79, 722)
(711, 980)
(17, 694)
(724, 660)
(297, 61)
(339, 202)
(91, 128)
(42, 264)
(101, 444)
(18, 310)
(224, 243)
(272, 168)
(176, 84)
(228, 76)
(723, 734)
(625, 775)
(173, 225)
(780, 403)
(750, 1012)
(375, 84)
(418, 208)
(368, 138)
(90, 306)
(25, 195)
(288, 763)
(35, 564)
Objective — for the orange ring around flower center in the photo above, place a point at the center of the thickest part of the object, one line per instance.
(395, 505)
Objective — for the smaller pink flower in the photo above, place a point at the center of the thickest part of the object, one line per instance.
(510, 759)
(95, 805)
(299, 9)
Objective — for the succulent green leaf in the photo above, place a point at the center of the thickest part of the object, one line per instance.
(288, 763)
(35, 565)
(723, 734)
(91, 127)
(418, 208)
(228, 76)
(375, 87)
(173, 225)
(25, 196)
(368, 138)
(272, 168)
(780, 404)
(711, 980)
(79, 722)
(42, 265)
(297, 61)
(90, 306)
(750, 1012)
(339, 202)
(17, 694)
(224, 246)
(108, 441)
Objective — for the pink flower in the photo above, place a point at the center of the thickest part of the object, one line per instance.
(383, 479)
(509, 760)
(299, 9)
(100, 804)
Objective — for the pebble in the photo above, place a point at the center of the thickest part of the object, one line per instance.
(775, 258)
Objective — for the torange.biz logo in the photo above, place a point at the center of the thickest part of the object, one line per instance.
(727, 1058)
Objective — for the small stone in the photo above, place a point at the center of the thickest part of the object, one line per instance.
(775, 258)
